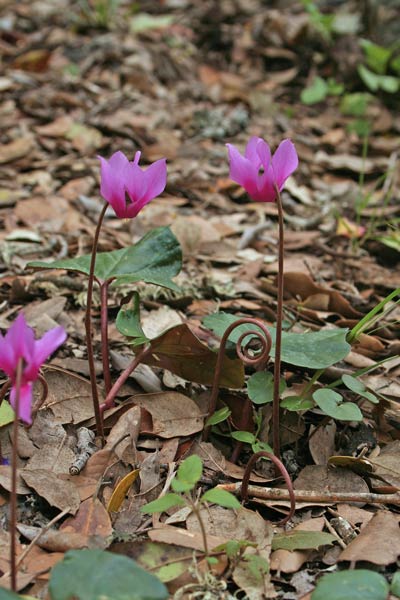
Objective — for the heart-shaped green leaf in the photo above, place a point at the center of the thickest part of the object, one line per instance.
(156, 258)
(244, 436)
(359, 584)
(331, 403)
(100, 575)
(162, 504)
(222, 498)
(357, 386)
(296, 403)
(315, 350)
(260, 387)
(128, 322)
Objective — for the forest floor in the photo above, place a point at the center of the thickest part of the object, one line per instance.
(179, 79)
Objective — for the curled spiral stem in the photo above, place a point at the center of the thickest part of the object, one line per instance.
(281, 467)
(243, 352)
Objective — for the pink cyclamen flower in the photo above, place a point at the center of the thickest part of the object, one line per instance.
(121, 178)
(19, 342)
(258, 172)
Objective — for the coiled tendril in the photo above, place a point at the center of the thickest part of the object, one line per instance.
(244, 353)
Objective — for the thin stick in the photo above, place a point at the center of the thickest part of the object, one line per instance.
(13, 499)
(104, 334)
(313, 497)
(278, 338)
(23, 555)
(89, 331)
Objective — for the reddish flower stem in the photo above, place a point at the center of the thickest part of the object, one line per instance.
(258, 361)
(13, 498)
(281, 468)
(278, 339)
(89, 330)
(104, 334)
(109, 401)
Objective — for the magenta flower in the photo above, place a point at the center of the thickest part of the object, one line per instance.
(257, 172)
(19, 342)
(121, 178)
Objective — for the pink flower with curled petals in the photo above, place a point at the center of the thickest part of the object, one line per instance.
(19, 342)
(127, 187)
(258, 172)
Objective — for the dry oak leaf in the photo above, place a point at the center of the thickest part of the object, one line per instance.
(16, 149)
(92, 519)
(54, 540)
(5, 480)
(57, 492)
(173, 414)
(378, 542)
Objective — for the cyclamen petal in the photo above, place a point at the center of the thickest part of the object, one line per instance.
(257, 172)
(25, 402)
(156, 179)
(112, 182)
(44, 347)
(19, 344)
(127, 187)
(20, 338)
(242, 170)
(284, 162)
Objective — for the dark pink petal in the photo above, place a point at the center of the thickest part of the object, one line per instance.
(25, 402)
(7, 360)
(21, 339)
(112, 181)
(135, 183)
(264, 153)
(49, 343)
(118, 162)
(155, 178)
(251, 152)
(284, 162)
(242, 170)
(265, 185)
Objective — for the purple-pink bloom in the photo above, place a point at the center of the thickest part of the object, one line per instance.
(121, 178)
(19, 342)
(258, 172)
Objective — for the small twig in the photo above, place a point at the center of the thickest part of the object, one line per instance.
(23, 555)
(313, 497)
(335, 533)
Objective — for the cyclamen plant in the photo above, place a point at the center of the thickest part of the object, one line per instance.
(263, 177)
(21, 358)
(127, 188)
